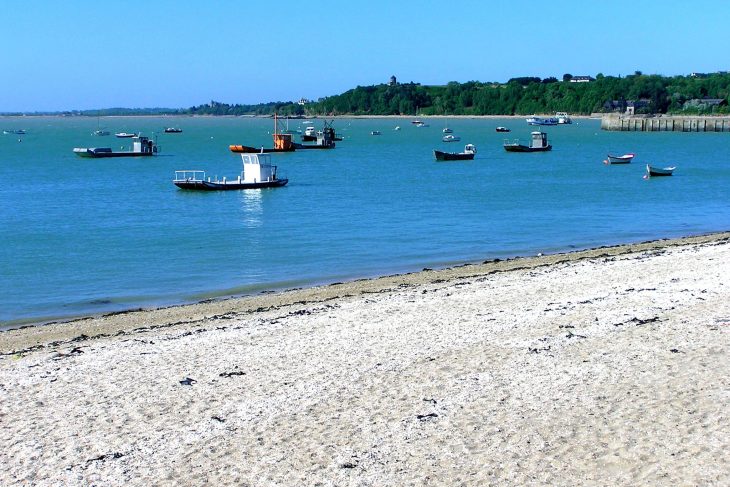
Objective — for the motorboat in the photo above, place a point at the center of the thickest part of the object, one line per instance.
(624, 159)
(173, 130)
(375, 132)
(258, 173)
(100, 132)
(310, 134)
(502, 129)
(125, 135)
(563, 118)
(538, 143)
(450, 138)
(468, 154)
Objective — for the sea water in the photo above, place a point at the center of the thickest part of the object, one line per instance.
(81, 236)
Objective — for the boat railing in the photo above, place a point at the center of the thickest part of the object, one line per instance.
(189, 175)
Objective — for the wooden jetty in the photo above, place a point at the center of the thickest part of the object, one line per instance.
(638, 123)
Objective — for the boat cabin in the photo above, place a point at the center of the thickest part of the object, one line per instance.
(143, 145)
(538, 140)
(257, 168)
(283, 142)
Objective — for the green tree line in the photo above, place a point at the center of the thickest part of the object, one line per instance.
(519, 96)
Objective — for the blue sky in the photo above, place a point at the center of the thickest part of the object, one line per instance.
(81, 54)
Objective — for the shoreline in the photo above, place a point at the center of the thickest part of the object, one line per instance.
(34, 334)
(600, 367)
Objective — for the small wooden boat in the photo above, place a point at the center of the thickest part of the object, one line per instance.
(258, 173)
(468, 154)
(652, 171)
(173, 130)
(538, 143)
(450, 138)
(624, 159)
(141, 147)
(502, 129)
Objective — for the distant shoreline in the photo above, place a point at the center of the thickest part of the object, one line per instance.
(313, 117)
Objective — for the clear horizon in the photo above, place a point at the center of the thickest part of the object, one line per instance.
(86, 55)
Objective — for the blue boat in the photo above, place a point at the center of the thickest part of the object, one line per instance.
(533, 120)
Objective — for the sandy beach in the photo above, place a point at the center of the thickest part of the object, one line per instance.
(600, 367)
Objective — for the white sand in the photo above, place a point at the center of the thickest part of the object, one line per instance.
(608, 367)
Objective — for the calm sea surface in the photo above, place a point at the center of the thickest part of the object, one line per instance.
(81, 236)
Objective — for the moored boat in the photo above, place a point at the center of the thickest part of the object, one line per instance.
(624, 159)
(375, 132)
(310, 134)
(282, 143)
(451, 138)
(502, 129)
(563, 118)
(534, 120)
(141, 147)
(100, 132)
(652, 171)
(468, 154)
(258, 173)
(173, 130)
(538, 143)
(125, 135)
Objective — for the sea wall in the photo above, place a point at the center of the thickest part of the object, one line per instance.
(638, 123)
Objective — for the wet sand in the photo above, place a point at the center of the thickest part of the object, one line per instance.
(607, 366)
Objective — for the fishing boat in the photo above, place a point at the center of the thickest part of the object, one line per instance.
(173, 130)
(538, 143)
(257, 173)
(468, 154)
(141, 147)
(125, 135)
(282, 143)
(534, 120)
(652, 171)
(451, 138)
(502, 129)
(624, 159)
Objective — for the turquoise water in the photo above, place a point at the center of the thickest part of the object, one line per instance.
(83, 236)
